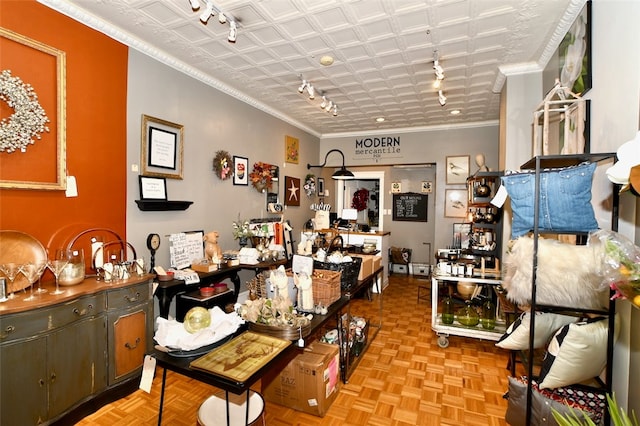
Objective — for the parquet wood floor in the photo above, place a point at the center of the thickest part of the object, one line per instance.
(403, 379)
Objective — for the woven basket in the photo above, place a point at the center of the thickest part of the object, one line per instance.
(326, 286)
(349, 271)
(283, 332)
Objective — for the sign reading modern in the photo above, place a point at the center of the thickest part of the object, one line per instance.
(377, 147)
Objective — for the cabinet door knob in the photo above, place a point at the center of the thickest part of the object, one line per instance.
(135, 345)
(134, 298)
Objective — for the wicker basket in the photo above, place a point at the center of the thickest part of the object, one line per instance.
(283, 332)
(349, 271)
(326, 286)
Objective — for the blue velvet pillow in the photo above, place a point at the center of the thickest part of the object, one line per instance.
(565, 200)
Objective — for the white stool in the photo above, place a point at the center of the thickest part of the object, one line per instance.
(213, 411)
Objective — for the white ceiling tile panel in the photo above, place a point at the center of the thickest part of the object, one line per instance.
(383, 52)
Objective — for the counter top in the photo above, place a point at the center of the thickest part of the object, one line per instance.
(90, 285)
(344, 231)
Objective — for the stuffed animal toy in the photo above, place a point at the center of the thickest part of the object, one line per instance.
(211, 248)
(567, 275)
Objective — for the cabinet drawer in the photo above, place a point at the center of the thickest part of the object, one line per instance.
(22, 325)
(31, 323)
(129, 296)
(83, 307)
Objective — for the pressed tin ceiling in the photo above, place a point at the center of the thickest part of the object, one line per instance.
(383, 53)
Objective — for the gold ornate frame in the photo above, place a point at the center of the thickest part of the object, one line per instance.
(23, 179)
(173, 140)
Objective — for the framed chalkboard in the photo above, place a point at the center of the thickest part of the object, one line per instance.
(410, 207)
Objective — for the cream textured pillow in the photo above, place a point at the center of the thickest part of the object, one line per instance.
(517, 335)
(577, 352)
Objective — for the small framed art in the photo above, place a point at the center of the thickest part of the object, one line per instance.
(153, 188)
(240, 175)
(457, 169)
(455, 203)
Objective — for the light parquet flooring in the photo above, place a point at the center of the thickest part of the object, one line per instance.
(403, 379)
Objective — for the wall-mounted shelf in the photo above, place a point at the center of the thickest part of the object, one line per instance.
(162, 205)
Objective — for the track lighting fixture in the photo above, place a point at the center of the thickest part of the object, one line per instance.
(442, 98)
(302, 86)
(209, 10)
(326, 104)
(439, 72)
(206, 14)
(233, 32)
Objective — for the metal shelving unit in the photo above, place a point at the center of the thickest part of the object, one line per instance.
(538, 164)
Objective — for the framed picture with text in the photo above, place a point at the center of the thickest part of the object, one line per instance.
(161, 148)
(240, 174)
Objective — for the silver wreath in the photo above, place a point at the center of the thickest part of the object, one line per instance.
(28, 120)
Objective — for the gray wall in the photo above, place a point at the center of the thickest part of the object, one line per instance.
(429, 145)
(212, 121)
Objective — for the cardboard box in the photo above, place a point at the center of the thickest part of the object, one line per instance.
(310, 382)
(367, 266)
(377, 262)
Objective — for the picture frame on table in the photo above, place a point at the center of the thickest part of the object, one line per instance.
(457, 169)
(153, 188)
(162, 148)
(455, 203)
(240, 170)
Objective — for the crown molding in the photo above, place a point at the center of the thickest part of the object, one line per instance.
(127, 39)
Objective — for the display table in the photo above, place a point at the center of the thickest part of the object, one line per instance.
(181, 364)
(167, 290)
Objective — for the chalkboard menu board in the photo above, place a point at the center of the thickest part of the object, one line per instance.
(410, 207)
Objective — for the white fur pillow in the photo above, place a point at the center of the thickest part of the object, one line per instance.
(517, 335)
(567, 275)
(577, 352)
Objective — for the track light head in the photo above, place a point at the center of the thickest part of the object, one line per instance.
(206, 14)
(195, 4)
(324, 102)
(312, 91)
(302, 86)
(329, 106)
(222, 18)
(335, 110)
(442, 98)
(233, 32)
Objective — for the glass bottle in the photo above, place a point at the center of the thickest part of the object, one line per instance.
(468, 315)
(447, 310)
(488, 315)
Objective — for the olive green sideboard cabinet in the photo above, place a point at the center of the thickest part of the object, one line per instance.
(60, 351)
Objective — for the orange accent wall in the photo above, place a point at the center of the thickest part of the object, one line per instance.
(96, 145)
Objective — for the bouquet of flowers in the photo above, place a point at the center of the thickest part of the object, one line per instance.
(261, 176)
(621, 265)
(241, 229)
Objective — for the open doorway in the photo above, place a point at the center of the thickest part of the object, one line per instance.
(370, 181)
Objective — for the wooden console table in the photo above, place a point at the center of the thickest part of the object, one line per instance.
(59, 353)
